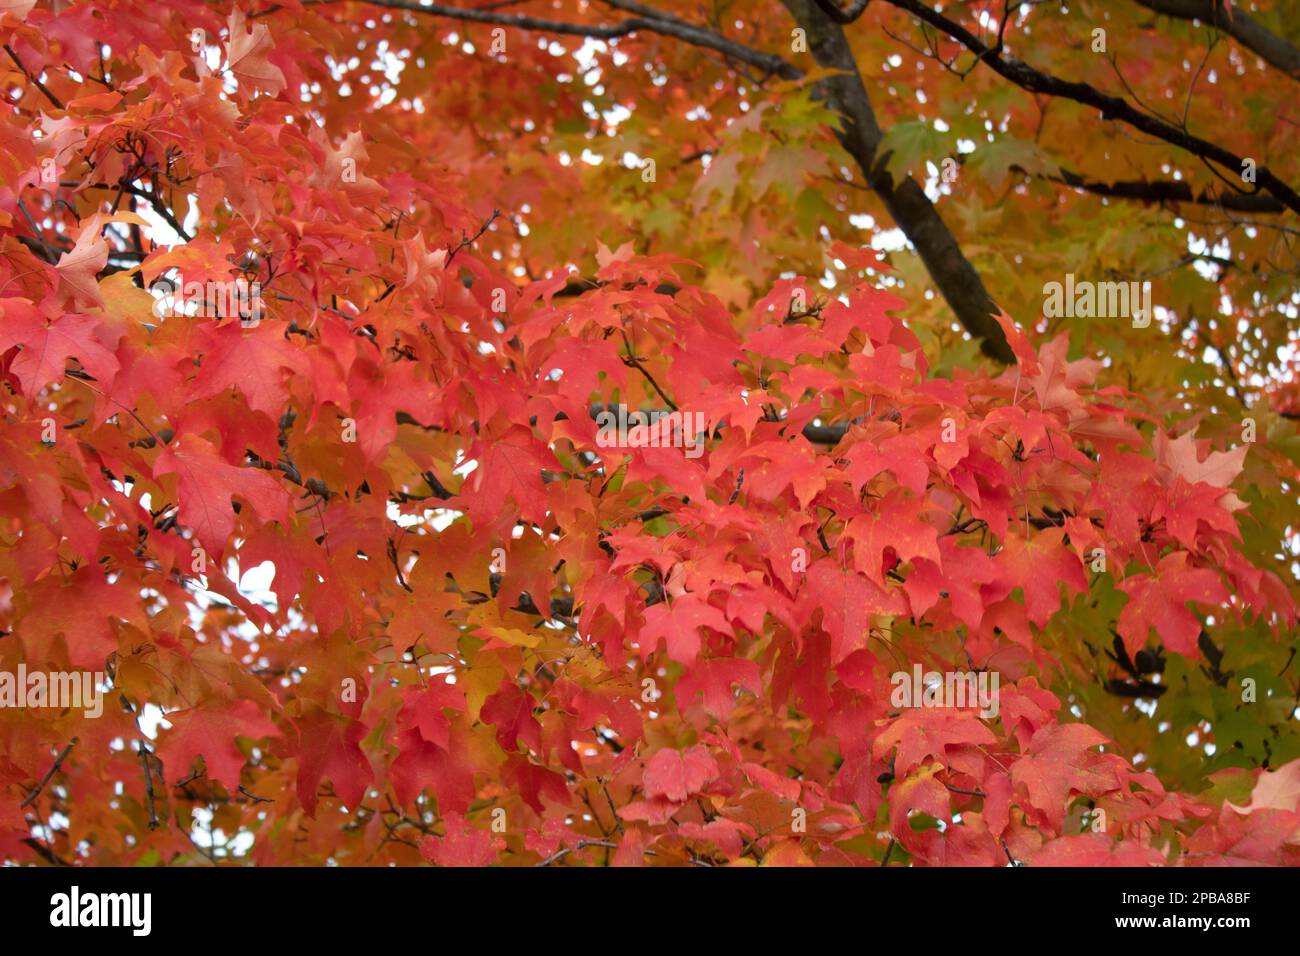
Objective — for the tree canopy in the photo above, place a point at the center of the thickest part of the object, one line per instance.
(325, 328)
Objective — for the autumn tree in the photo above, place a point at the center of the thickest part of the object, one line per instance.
(326, 334)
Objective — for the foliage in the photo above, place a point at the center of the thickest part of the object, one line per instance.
(490, 636)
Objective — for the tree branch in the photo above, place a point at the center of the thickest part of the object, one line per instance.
(843, 14)
(467, 241)
(145, 758)
(34, 78)
(666, 26)
(907, 203)
(1170, 190)
(1239, 25)
(1112, 107)
(58, 762)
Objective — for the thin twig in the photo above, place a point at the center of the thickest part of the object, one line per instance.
(467, 241)
(31, 797)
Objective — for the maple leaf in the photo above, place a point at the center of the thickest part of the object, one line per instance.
(293, 558)
(897, 524)
(849, 601)
(330, 748)
(656, 811)
(1058, 762)
(1038, 565)
(678, 626)
(786, 465)
(1181, 457)
(510, 710)
(387, 513)
(920, 791)
(922, 734)
(345, 166)
(78, 268)
(206, 485)
(246, 55)
(675, 775)
(1025, 707)
(670, 464)
(210, 731)
(510, 467)
(727, 835)
(714, 679)
(17, 8)
(81, 607)
(631, 849)
(422, 765)
(462, 845)
(1160, 601)
(252, 360)
(1246, 839)
(420, 615)
(901, 454)
(47, 346)
(786, 853)
(1093, 849)
(1277, 789)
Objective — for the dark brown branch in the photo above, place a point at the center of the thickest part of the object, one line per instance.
(1112, 107)
(1239, 25)
(906, 201)
(39, 249)
(1010, 859)
(843, 14)
(397, 566)
(955, 277)
(58, 762)
(467, 241)
(560, 607)
(1170, 190)
(35, 80)
(145, 756)
(154, 200)
(666, 26)
(438, 491)
(583, 844)
(45, 853)
(631, 360)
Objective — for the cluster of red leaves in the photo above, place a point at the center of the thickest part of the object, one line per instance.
(493, 638)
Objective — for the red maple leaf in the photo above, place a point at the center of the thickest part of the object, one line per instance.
(1160, 601)
(211, 732)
